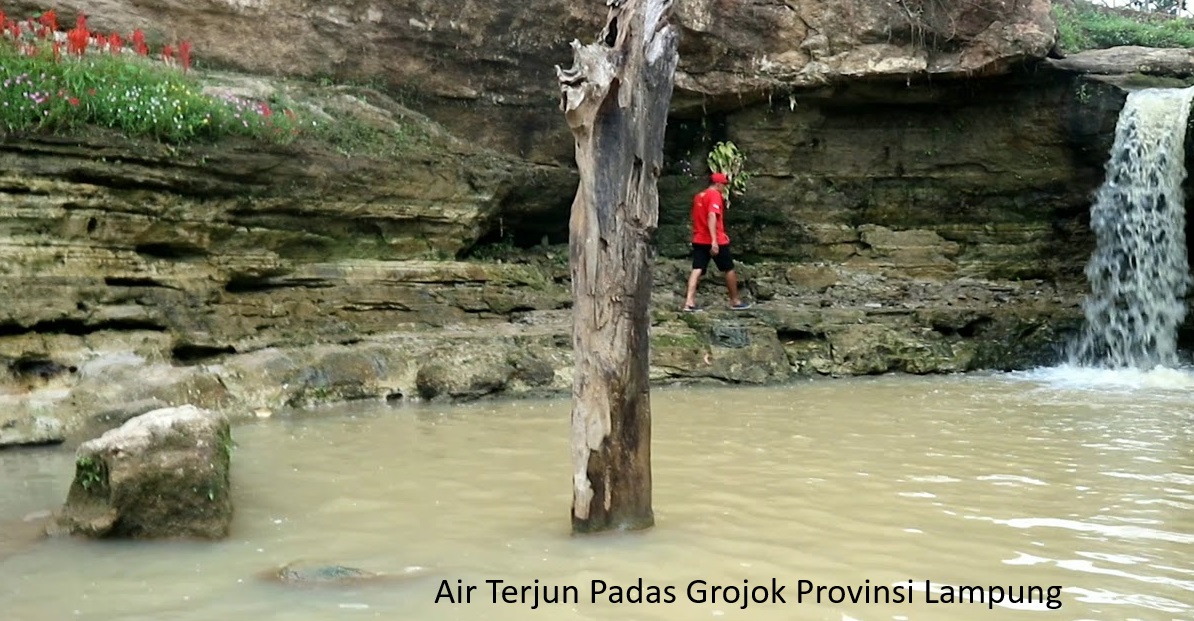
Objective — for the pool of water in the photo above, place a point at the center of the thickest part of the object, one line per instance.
(1060, 478)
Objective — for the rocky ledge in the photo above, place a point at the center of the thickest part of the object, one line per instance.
(496, 333)
(1130, 60)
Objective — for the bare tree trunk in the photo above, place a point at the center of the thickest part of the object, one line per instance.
(616, 98)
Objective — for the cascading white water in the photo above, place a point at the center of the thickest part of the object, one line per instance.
(1139, 271)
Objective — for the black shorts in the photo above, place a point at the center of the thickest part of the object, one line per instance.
(701, 257)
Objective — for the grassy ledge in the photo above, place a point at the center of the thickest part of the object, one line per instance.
(61, 81)
(58, 82)
(1084, 26)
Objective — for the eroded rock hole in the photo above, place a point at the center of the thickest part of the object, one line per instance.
(37, 367)
(168, 251)
(189, 353)
(795, 335)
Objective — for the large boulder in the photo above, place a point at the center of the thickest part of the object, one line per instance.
(162, 475)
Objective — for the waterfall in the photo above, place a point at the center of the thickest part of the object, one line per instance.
(1139, 271)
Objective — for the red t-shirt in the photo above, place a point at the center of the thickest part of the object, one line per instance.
(706, 202)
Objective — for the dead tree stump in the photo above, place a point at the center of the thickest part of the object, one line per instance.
(616, 98)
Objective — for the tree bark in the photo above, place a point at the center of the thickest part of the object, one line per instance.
(616, 98)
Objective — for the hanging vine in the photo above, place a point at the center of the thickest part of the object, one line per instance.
(931, 22)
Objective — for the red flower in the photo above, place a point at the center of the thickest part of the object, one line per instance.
(139, 42)
(57, 50)
(184, 54)
(49, 19)
(115, 43)
(168, 53)
(74, 101)
(78, 37)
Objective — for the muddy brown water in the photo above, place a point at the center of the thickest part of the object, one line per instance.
(1076, 480)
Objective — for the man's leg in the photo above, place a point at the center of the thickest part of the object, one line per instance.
(732, 288)
(700, 261)
(725, 263)
(694, 278)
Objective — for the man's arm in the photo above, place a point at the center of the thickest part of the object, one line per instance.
(713, 232)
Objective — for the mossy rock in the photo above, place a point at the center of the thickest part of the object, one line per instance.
(162, 475)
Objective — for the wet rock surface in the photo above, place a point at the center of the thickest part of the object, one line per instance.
(809, 320)
(165, 474)
(34, 430)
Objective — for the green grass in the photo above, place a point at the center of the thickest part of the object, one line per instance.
(134, 95)
(1086, 27)
(80, 82)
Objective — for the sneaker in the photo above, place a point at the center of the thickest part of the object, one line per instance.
(741, 306)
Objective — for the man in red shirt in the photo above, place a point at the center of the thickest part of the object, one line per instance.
(709, 241)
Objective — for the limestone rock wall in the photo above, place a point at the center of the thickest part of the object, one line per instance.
(919, 206)
(984, 178)
(486, 67)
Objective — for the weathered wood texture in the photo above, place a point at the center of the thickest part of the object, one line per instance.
(616, 98)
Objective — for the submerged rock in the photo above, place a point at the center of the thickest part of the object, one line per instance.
(307, 573)
(17, 536)
(37, 431)
(302, 573)
(164, 474)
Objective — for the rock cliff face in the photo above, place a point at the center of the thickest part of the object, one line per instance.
(903, 217)
(486, 68)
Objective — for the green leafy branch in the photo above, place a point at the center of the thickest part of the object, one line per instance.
(727, 158)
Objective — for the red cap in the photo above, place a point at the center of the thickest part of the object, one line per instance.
(719, 178)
